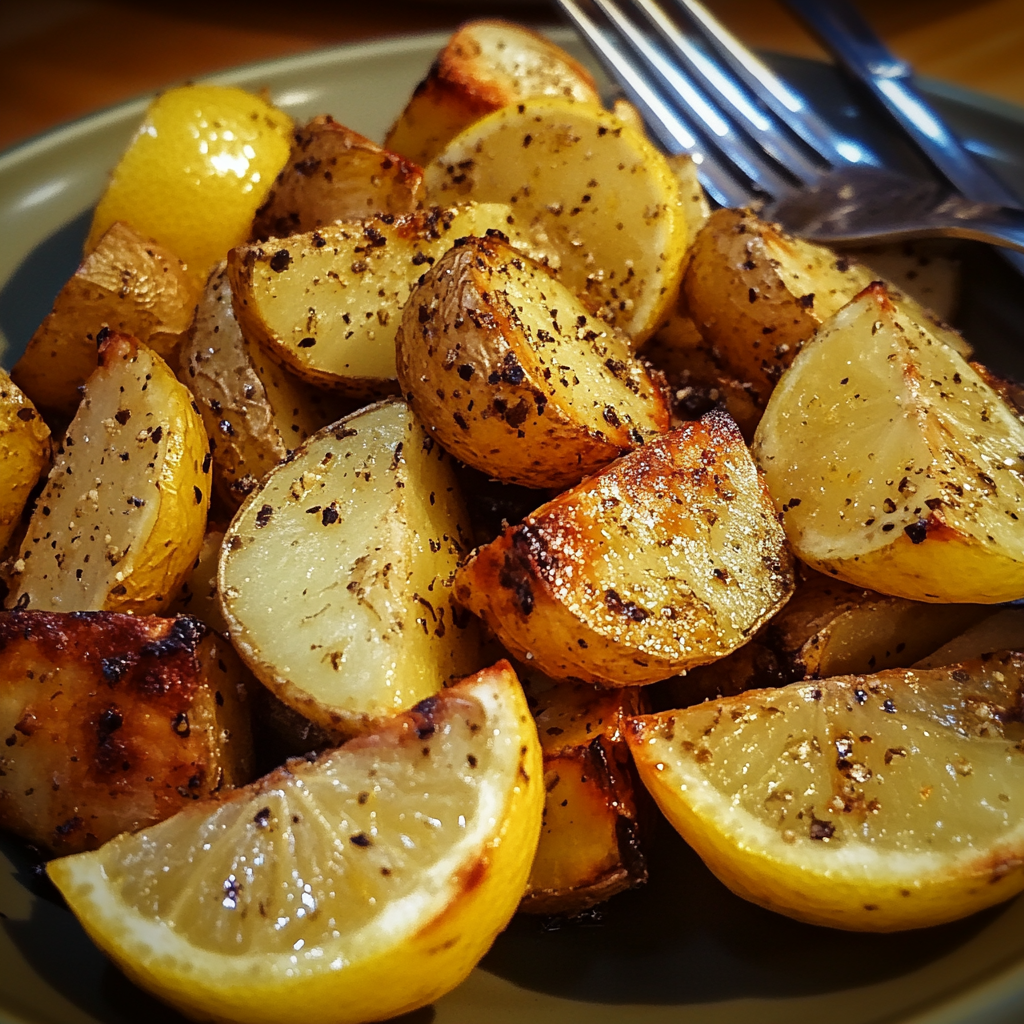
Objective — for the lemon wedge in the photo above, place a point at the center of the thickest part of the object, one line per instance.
(871, 803)
(198, 168)
(360, 885)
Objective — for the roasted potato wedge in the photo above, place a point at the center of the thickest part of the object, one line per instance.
(129, 284)
(590, 844)
(893, 465)
(1001, 631)
(198, 594)
(513, 377)
(592, 195)
(669, 558)
(335, 174)
(757, 294)
(335, 576)
(327, 304)
(921, 270)
(486, 64)
(122, 516)
(254, 411)
(24, 454)
(113, 722)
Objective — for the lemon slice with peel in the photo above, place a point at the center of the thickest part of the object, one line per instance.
(360, 885)
(870, 803)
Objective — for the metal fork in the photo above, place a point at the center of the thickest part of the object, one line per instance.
(756, 141)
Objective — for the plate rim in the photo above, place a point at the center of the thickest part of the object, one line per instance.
(992, 993)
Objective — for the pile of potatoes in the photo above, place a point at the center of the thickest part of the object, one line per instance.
(502, 385)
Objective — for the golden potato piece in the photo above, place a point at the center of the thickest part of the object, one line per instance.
(335, 174)
(138, 717)
(487, 64)
(24, 454)
(198, 594)
(328, 303)
(925, 271)
(123, 513)
(870, 803)
(335, 575)
(128, 284)
(893, 465)
(254, 411)
(590, 843)
(671, 557)
(513, 376)
(757, 294)
(592, 194)
(197, 170)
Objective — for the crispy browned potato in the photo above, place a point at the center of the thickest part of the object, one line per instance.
(123, 513)
(328, 303)
(113, 722)
(757, 294)
(24, 454)
(514, 377)
(254, 411)
(485, 65)
(590, 843)
(127, 283)
(669, 558)
(893, 464)
(335, 174)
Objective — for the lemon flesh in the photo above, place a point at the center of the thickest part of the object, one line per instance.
(351, 888)
(870, 803)
(193, 177)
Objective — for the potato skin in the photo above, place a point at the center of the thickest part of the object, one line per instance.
(671, 557)
(127, 283)
(112, 722)
(335, 174)
(25, 451)
(486, 64)
(485, 363)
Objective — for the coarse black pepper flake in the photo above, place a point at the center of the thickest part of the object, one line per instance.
(280, 261)
(263, 516)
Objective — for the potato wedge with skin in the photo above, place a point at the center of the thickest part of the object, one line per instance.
(335, 576)
(335, 174)
(594, 197)
(590, 843)
(198, 594)
(128, 284)
(24, 454)
(486, 64)
(893, 465)
(122, 516)
(254, 411)
(669, 558)
(114, 722)
(757, 294)
(328, 304)
(513, 377)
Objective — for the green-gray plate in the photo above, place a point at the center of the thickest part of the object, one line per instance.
(682, 950)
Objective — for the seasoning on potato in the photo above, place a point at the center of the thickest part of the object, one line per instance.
(893, 464)
(335, 575)
(514, 377)
(592, 195)
(122, 516)
(328, 303)
(114, 722)
(669, 558)
(25, 451)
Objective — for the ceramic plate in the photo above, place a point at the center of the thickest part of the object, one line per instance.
(682, 950)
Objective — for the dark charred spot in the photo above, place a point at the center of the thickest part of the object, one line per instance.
(182, 638)
(113, 668)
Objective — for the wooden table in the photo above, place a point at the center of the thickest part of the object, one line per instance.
(60, 59)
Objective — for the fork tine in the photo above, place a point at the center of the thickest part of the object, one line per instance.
(789, 106)
(674, 131)
(716, 78)
(713, 125)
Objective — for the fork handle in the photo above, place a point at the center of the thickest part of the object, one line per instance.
(849, 37)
